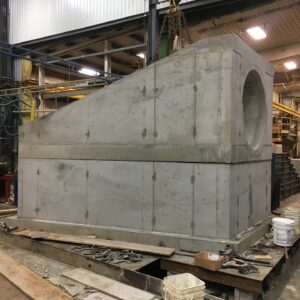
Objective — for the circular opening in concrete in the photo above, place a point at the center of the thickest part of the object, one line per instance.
(254, 110)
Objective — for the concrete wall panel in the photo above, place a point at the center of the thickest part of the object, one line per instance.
(173, 198)
(68, 125)
(175, 101)
(205, 210)
(62, 190)
(28, 188)
(208, 97)
(131, 120)
(116, 196)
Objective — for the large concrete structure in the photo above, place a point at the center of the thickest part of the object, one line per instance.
(180, 148)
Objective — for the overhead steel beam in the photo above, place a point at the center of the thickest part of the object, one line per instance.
(102, 53)
(286, 109)
(281, 53)
(58, 62)
(72, 93)
(94, 41)
(48, 88)
(120, 68)
(192, 5)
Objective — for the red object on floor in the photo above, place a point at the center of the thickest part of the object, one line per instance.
(8, 178)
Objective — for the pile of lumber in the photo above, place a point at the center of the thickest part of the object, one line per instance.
(38, 288)
(28, 282)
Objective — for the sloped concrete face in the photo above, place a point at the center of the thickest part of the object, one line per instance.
(180, 147)
(210, 102)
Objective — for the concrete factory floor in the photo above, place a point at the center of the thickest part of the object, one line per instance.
(284, 285)
(292, 289)
(288, 285)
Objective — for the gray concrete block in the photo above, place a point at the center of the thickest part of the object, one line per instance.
(182, 147)
(200, 200)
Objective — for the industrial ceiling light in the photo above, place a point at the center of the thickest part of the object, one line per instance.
(290, 65)
(257, 32)
(141, 55)
(89, 72)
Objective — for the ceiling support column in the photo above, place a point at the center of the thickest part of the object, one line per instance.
(41, 71)
(153, 31)
(107, 58)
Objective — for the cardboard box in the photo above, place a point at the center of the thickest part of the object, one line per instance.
(209, 261)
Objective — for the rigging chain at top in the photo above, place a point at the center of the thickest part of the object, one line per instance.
(175, 25)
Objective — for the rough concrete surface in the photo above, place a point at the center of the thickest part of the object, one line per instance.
(180, 147)
(292, 289)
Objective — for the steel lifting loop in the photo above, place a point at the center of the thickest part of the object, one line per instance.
(174, 6)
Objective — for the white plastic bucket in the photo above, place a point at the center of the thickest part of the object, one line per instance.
(283, 232)
(183, 287)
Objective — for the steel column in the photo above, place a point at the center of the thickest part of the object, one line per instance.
(107, 59)
(41, 83)
(5, 68)
(153, 30)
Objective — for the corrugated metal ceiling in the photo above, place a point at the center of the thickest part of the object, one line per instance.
(282, 19)
(34, 19)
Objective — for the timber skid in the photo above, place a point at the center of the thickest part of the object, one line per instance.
(148, 274)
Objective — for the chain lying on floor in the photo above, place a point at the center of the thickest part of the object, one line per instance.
(4, 227)
(108, 255)
(98, 253)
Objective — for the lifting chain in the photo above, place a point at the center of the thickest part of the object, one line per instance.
(175, 24)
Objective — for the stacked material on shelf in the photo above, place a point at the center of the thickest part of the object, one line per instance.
(285, 170)
(296, 164)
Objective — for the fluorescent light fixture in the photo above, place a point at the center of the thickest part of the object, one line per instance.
(89, 72)
(141, 55)
(257, 32)
(290, 65)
